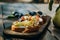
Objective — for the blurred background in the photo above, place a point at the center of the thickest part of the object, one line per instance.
(41, 5)
(30, 1)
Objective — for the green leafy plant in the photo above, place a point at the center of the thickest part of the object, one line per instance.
(50, 5)
(56, 19)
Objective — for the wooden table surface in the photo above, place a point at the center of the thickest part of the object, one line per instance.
(9, 7)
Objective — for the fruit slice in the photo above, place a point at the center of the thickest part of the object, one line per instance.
(22, 18)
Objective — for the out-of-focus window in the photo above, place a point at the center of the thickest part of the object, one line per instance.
(23, 0)
(56, 1)
(30, 1)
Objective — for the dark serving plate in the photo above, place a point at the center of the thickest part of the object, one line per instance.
(9, 33)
